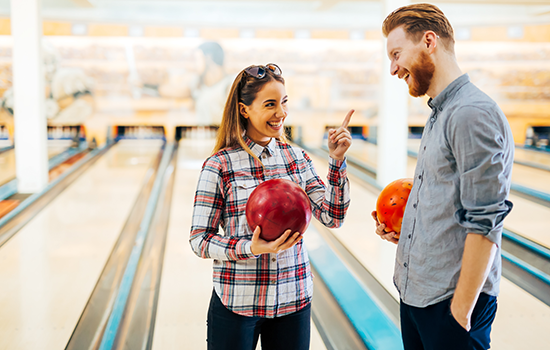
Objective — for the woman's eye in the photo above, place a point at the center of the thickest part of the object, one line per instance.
(285, 101)
(270, 104)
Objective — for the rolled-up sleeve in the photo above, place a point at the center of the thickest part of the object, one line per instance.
(484, 162)
(329, 203)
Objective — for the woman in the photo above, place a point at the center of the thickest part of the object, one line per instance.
(261, 287)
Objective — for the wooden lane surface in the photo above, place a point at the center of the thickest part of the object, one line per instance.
(521, 321)
(48, 270)
(531, 156)
(186, 285)
(527, 218)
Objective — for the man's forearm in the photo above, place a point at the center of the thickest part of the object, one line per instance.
(477, 260)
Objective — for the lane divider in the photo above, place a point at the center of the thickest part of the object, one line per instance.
(66, 154)
(527, 267)
(375, 328)
(527, 243)
(10, 188)
(121, 299)
(32, 198)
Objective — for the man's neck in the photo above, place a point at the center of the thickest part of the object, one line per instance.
(446, 71)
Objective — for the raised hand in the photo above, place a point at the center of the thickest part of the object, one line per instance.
(261, 246)
(381, 231)
(339, 140)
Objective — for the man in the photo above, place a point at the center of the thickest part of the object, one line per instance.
(448, 263)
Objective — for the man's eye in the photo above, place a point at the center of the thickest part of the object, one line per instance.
(285, 101)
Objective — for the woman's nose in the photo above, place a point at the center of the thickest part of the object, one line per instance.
(281, 112)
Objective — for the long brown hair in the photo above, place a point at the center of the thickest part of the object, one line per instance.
(233, 125)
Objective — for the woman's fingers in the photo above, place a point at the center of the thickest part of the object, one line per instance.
(338, 133)
(279, 241)
(341, 136)
(347, 119)
(292, 240)
(256, 234)
(346, 140)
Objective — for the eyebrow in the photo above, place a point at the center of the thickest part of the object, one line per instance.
(273, 100)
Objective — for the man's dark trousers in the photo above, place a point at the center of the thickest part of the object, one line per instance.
(435, 328)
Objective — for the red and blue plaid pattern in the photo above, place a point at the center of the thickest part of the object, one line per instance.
(269, 285)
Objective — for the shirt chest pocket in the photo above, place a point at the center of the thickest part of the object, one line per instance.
(239, 191)
(438, 162)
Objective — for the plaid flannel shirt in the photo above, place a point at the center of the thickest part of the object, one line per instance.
(268, 285)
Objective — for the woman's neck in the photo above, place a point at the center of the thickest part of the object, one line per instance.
(260, 141)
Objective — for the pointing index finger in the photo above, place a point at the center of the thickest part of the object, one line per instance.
(345, 123)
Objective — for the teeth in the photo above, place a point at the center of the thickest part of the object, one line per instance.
(275, 124)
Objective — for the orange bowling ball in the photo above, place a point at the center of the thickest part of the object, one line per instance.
(391, 204)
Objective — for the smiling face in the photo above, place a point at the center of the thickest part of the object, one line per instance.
(410, 62)
(267, 113)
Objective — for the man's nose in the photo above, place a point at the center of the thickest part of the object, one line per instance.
(394, 68)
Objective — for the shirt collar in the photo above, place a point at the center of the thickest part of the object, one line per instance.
(448, 93)
(259, 149)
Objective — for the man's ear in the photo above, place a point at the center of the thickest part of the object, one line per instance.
(431, 39)
(243, 110)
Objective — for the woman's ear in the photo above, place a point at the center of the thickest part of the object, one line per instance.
(243, 110)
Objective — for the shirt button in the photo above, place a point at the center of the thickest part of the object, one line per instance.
(414, 205)
(405, 264)
(274, 259)
(410, 236)
(424, 148)
(273, 281)
(419, 177)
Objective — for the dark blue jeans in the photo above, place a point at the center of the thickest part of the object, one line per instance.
(230, 331)
(435, 328)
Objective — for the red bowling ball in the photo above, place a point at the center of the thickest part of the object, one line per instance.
(276, 206)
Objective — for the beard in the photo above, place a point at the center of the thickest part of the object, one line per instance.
(422, 72)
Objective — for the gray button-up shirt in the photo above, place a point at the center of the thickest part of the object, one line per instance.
(461, 185)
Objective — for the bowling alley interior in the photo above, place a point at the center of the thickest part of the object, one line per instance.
(110, 108)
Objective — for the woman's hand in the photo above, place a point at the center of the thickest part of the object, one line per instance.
(261, 246)
(381, 231)
(339, 140)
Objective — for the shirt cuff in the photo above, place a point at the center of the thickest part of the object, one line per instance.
(337, 171)
(244, 250)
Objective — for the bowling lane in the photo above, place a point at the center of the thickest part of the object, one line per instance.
(532, 156)
(536, 228)
(186, 284)
(368, 152)
(50, 267)
(7, 162)
(518, 312)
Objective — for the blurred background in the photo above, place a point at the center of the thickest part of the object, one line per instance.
(169, 63)
(97, 208)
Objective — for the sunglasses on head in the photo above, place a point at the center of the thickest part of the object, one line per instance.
(260, 71)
